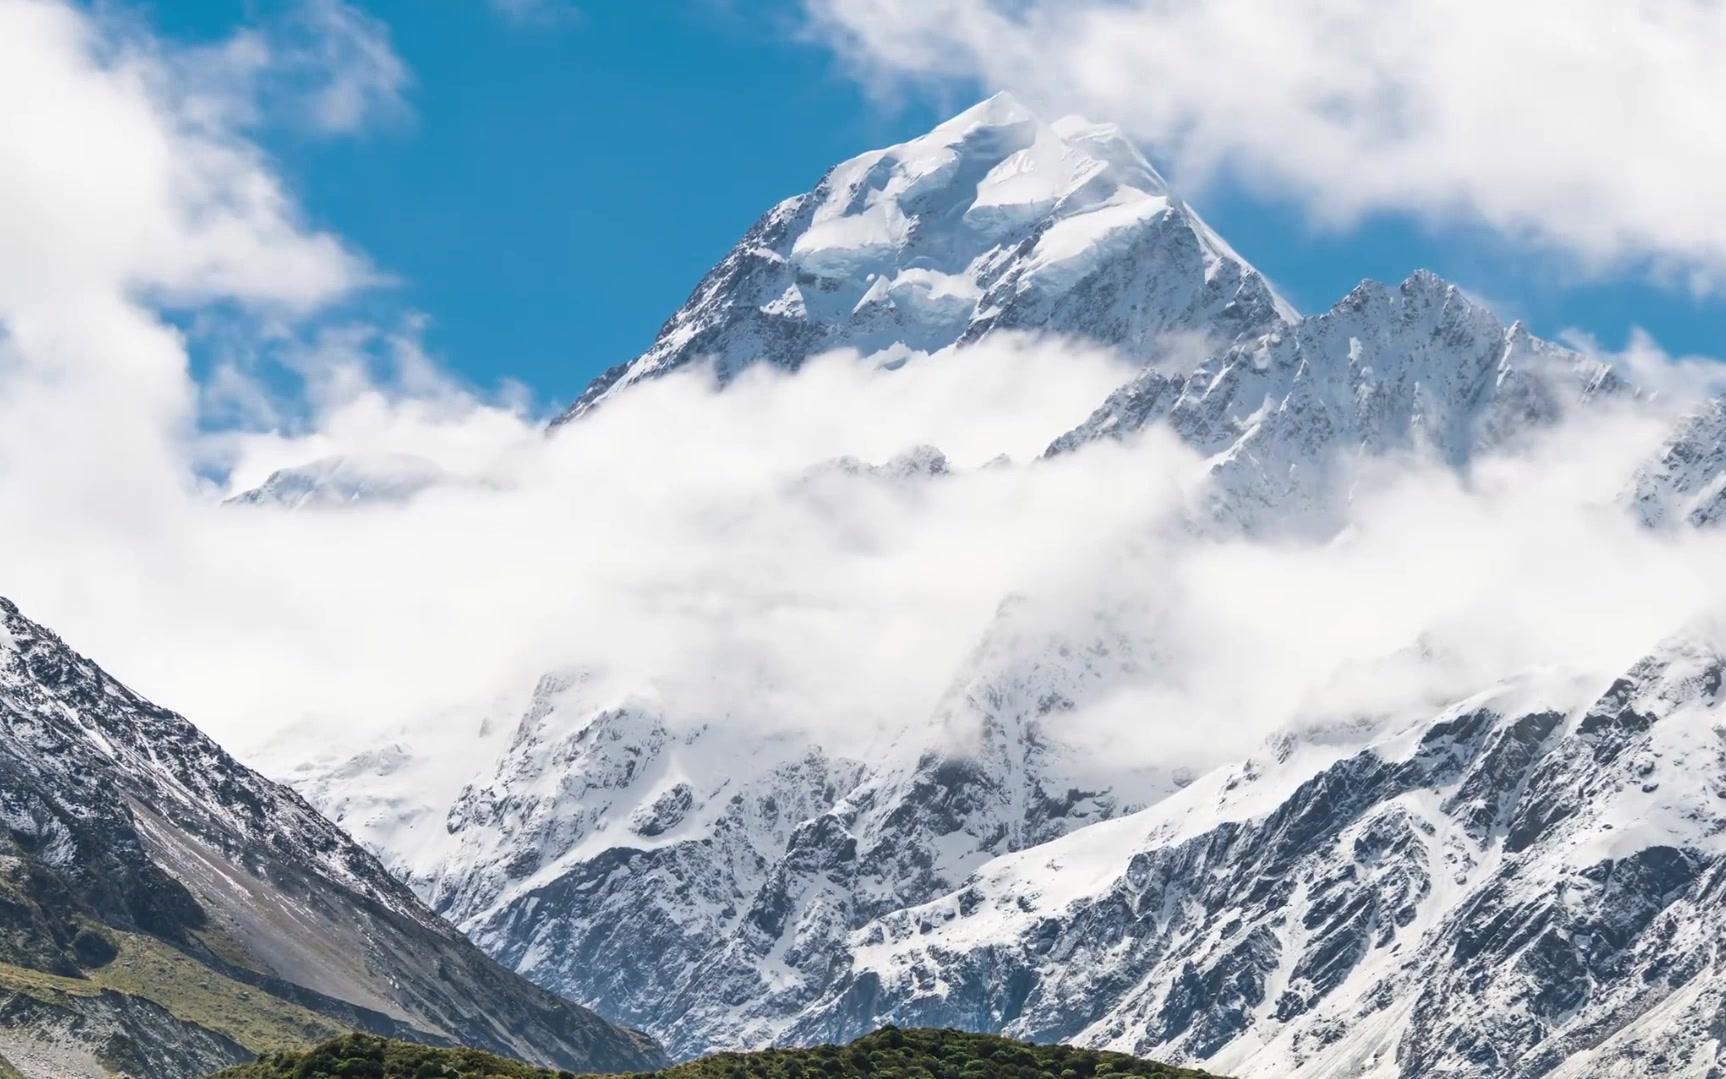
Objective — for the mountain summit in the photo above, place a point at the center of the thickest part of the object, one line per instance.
(993, 220)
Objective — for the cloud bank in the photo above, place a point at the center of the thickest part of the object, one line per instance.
(700, 552)
(1586, 126)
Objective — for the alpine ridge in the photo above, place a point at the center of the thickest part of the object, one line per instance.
(993, 221)
(1416, 368)
(1517, 883)
(1518, 886)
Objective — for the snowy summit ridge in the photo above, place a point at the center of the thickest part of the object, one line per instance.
(993, 220)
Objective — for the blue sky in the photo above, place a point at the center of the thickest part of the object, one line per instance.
(558, 184)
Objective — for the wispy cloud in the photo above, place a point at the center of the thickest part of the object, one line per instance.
(362, 79)
(322, 66)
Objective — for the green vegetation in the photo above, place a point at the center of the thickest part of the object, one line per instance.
(7, 1071)
(44, 986)
(889, 1053)
(191, 992)
(363, 1056)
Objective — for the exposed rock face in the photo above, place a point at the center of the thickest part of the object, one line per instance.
(127, 836)
(1507, 889)
(75, 1037)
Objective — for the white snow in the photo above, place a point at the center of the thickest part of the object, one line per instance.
(944, 223)
(1074, 246)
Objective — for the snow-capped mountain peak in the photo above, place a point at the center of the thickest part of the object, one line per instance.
(994, 220)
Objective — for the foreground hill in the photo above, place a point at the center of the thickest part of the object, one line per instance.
(927, 1054)
(165, 911)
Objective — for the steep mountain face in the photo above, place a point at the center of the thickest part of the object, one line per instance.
(1417, 368)
(703, 883)
(1517, 887)
(1685, 484)
(165, 911)
(994, 220)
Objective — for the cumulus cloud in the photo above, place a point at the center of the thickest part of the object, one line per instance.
(1583, 125)
(116, 182)
(123, 193)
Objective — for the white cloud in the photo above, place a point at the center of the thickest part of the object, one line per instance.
(116, 183)
(347, 60)
(322, 66)
(683, 543)
(122, 190)
(1587, 125)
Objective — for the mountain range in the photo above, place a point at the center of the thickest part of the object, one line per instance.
(1522, 881)
(1496, 888)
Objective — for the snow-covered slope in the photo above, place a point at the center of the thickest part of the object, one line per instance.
(1420, 368)
(1516, 886)
(702, 883)
(165, 911)
(994, 220)
(1685, 484)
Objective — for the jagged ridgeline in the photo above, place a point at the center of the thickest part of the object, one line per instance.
(165, 911)
(889, 1052)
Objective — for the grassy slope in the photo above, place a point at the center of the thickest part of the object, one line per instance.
(191, 992)
(7, 1071)
(889, 1053)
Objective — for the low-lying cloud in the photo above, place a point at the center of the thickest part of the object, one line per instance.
(700, 551)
